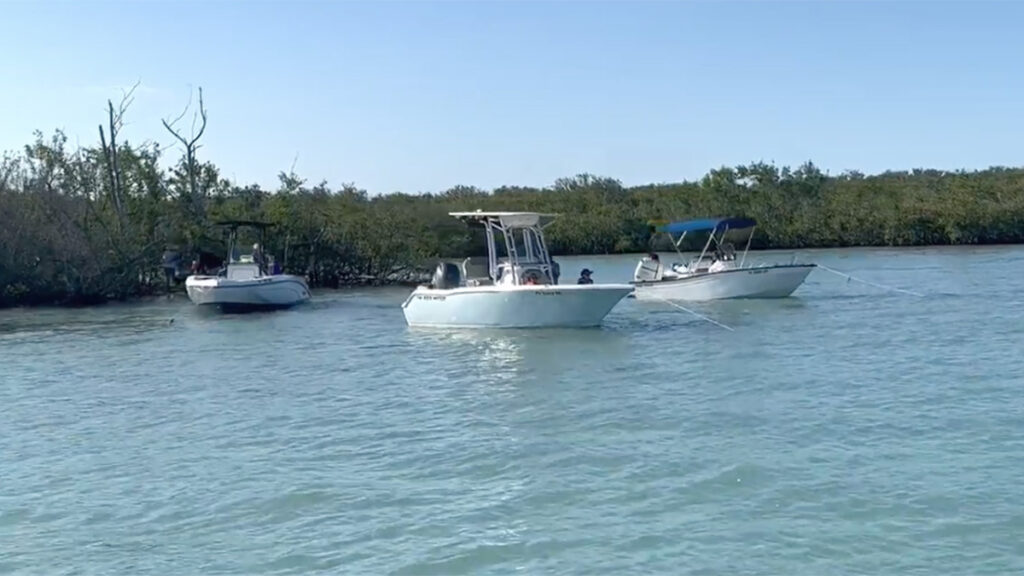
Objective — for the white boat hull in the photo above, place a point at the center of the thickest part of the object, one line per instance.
(264, 293)
(754, 282)
(544, 306)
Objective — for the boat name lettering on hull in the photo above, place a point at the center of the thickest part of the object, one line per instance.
(422, 297)
(548, 293)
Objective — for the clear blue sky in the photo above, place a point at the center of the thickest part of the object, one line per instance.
(419, 96)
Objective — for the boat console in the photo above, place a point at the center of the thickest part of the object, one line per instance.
(243, 271)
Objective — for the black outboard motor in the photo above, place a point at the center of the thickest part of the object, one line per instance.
(446, 276)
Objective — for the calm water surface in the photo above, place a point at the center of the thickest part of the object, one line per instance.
(843, 431)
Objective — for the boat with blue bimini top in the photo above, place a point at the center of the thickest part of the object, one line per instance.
(519, 289)
(247, 282)
(715, 274)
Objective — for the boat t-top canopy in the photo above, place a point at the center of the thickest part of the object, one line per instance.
(232, 227)
(523, 239)
(507, 219)
(712, 224)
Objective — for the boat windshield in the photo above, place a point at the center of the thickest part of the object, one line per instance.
(526, 245)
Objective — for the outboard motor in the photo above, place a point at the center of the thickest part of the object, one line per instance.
(446, 276)
(647, 270)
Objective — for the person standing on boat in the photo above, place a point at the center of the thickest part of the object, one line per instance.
(585, 277)
(257, 257)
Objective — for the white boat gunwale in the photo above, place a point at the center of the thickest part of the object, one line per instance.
(273, 278)
(699, 275)
(539, 288)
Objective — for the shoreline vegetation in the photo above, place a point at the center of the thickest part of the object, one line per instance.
(104, 222)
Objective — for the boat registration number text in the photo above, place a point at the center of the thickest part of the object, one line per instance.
(430, 297)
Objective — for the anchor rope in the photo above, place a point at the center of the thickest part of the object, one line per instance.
(881, 286)
(701, 316)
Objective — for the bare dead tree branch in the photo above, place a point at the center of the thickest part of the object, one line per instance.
(107, 160)
(191, 144)
(115, 128)
(183, 112)
(115, 121)
(202, 113)
(127, 98)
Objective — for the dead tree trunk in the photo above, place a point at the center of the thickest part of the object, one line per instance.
(115, 119)
(191, 145)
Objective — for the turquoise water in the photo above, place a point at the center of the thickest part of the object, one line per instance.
(846, 430)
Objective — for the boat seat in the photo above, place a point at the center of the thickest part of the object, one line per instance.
(728, 251)
(675, 271)
(533, 276)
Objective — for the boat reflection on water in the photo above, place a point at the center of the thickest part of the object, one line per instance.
(502, 355)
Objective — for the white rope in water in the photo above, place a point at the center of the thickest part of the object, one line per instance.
(705, 318)
(848, 277)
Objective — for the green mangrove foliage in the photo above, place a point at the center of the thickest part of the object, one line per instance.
(91, 224)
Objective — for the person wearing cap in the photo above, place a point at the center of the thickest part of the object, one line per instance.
(585, 277)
